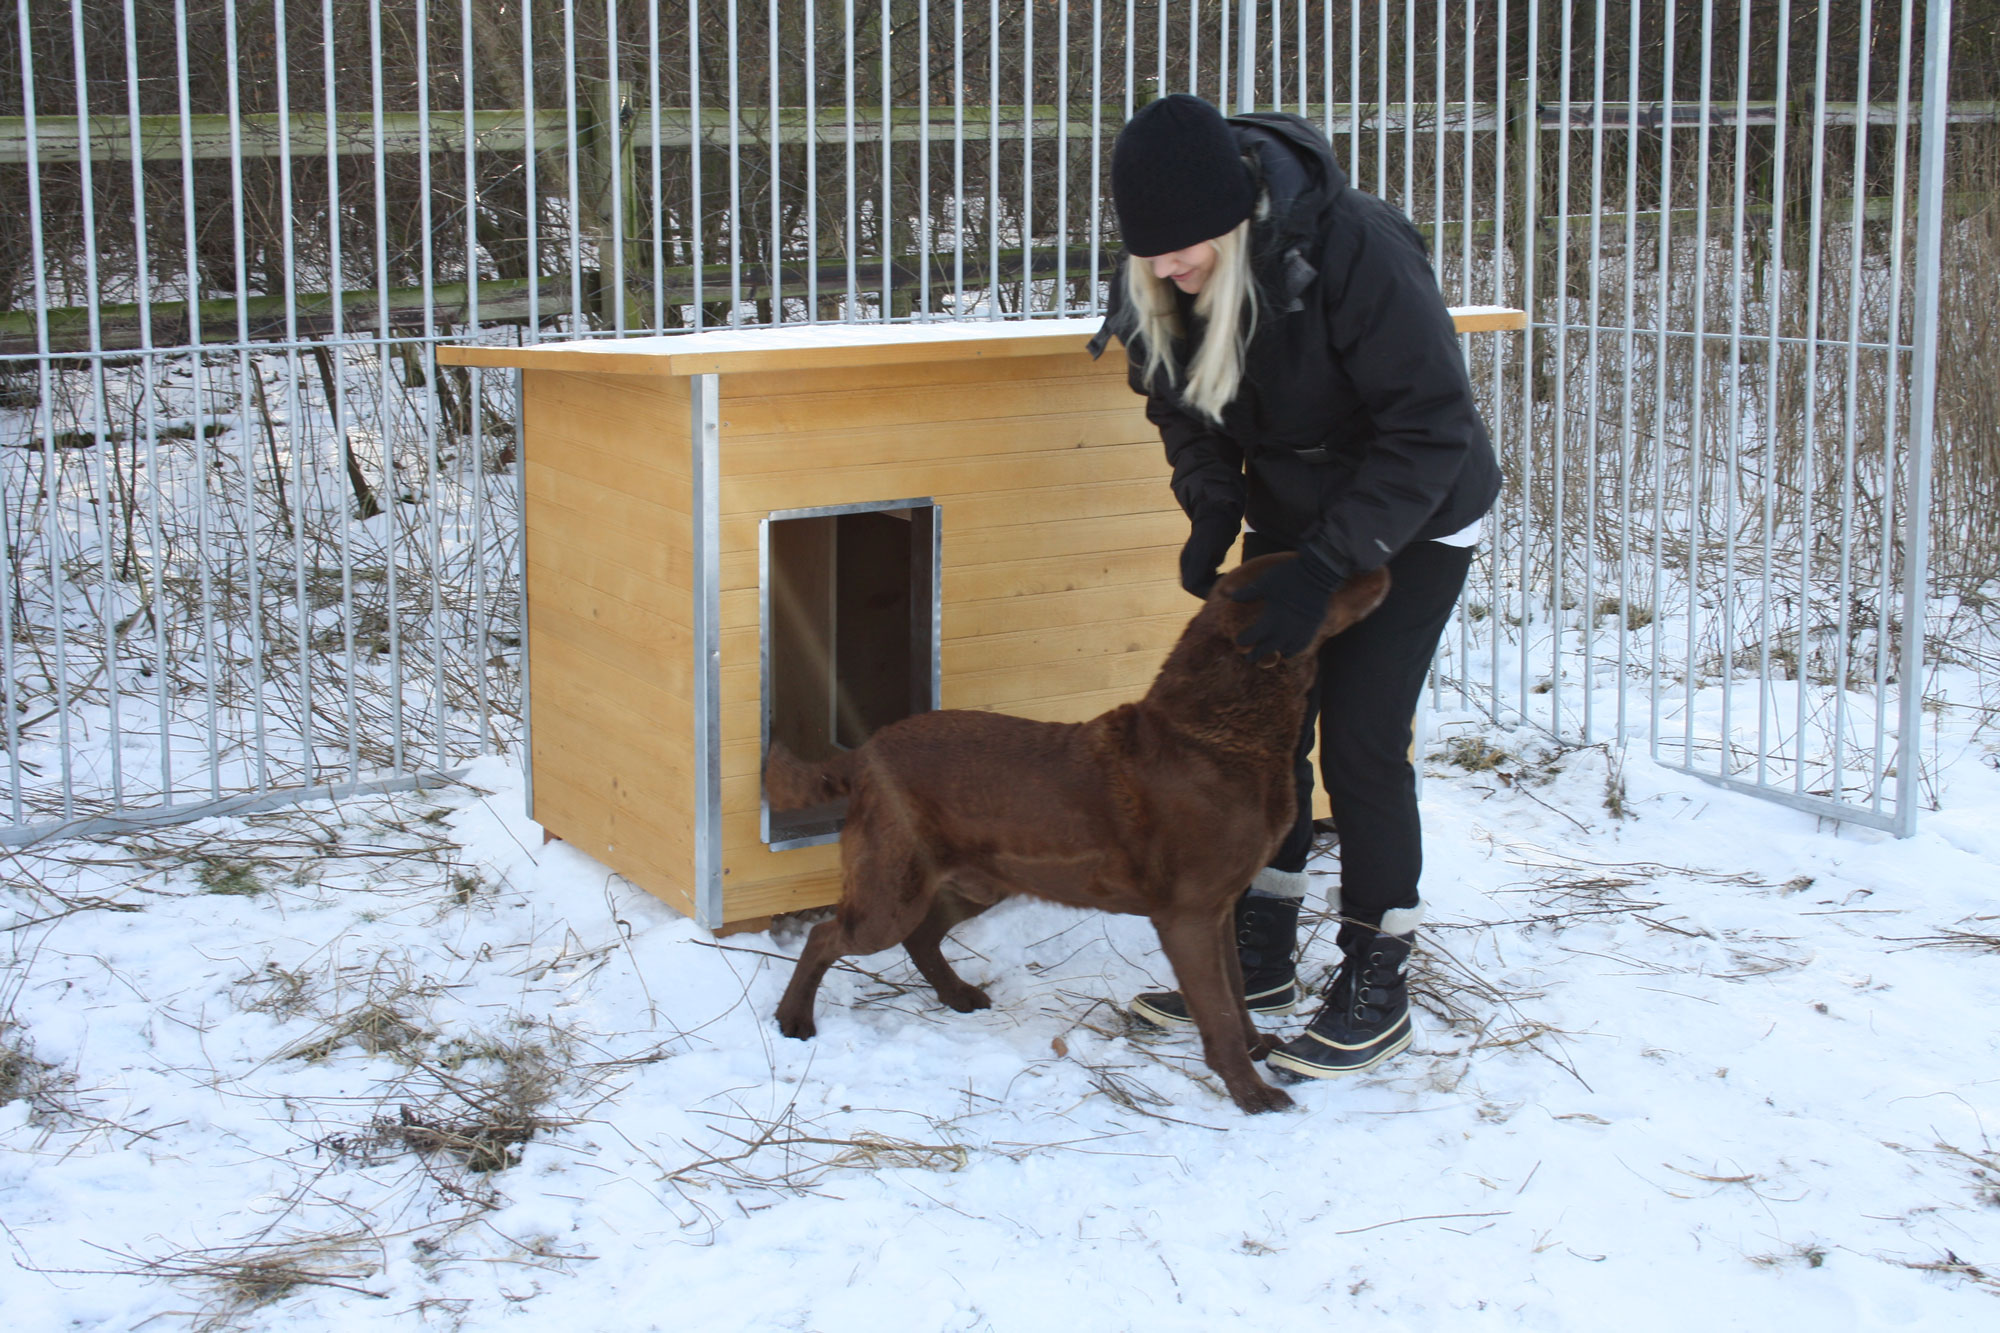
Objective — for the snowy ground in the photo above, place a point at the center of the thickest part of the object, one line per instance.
(1715, 1064)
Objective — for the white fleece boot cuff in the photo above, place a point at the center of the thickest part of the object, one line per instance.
(1402, 920)
(1271, 883)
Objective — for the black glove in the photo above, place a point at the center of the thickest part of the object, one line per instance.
(1295, 596)
(1208, 542)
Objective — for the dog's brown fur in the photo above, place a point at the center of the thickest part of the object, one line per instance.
(1165, 809)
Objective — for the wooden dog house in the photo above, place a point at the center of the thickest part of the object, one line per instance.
(807, 532)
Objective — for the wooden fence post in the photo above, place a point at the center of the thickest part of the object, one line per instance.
(606, 166)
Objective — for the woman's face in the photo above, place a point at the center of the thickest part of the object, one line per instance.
(1186, 269)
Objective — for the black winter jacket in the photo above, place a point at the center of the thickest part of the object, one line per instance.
(1354, 357)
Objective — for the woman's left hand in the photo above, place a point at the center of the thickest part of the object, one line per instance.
(1295, 596)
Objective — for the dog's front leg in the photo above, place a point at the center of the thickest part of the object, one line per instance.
(1192, 948)
(824, 947)
(1259, 1044)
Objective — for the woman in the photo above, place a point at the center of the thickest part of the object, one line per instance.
(1287, 332)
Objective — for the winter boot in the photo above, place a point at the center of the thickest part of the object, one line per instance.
(1366, 1017)
(1266, 940)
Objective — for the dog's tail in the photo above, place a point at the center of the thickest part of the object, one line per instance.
(792, 783)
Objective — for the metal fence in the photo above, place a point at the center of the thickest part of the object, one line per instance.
(258, 543)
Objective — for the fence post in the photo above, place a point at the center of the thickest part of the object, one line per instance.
(610, 197)
(1529, 240)
(1923, 408)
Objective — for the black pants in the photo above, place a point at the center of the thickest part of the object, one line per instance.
(1370, 680)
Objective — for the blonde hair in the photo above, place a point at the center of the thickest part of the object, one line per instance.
(1227, 303)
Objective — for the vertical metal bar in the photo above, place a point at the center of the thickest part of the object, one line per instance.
(1558, 538)
(698, 255)
(1810, 434)
(611, 148)
(12, 552)
(885, 227)
(1409, 106)
(1628, 333)
(1380, 185)
(1159, 54)
(777, 264)
(1299, 26)
(1923, 407)
(294, 418)
(853, 242)
(531, 184)
(705, 427)
(571, 129)
(1892, 336)
(958, 160)
(993, 310)
(1354, 84)
(51, 476)
(1593, 379)
(246, 367)
(426, 361)
(736, 166)
(1733, 425)
(192, 256)
(1849, 444)
(155, 574)
(1530, 220)
(1326, 69)
(1027, 158)
(521, 607)
(336, 362)
(655, 58)
(923, 254)
(1277, 52)
(1773, 354)
(1437, 149)
(385, 348)
(1097, 140)
(95, 465)
(1697, 452)
(1467, 166)
(480, 640)
(1063, 155)
(1660, 376)
(1195, 45)
(1224, 54)
(1495, 616)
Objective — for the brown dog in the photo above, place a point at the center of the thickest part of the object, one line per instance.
(1165, 808)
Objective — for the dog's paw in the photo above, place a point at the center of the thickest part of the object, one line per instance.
(1261, 1097)
(966, 999)
(802, 1029)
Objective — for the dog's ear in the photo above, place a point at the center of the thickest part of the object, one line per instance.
(1356, 598)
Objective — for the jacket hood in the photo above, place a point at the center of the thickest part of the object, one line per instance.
(1300, 181)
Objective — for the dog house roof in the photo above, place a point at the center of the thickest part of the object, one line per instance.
(822, 346)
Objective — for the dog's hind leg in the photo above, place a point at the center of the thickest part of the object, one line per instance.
(1218, 1012)
(948, 909)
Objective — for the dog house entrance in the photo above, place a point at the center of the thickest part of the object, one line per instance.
(851, 604)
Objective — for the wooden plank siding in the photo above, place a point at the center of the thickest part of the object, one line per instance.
(610, 607)
(1059, 538)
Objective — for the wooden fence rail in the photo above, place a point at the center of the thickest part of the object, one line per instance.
(314, 134)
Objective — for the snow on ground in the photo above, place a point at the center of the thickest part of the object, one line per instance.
(1716, 1064)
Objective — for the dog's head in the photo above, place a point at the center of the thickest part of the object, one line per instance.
(1350, 602)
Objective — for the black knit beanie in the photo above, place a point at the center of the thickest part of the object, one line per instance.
(1177, 177)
